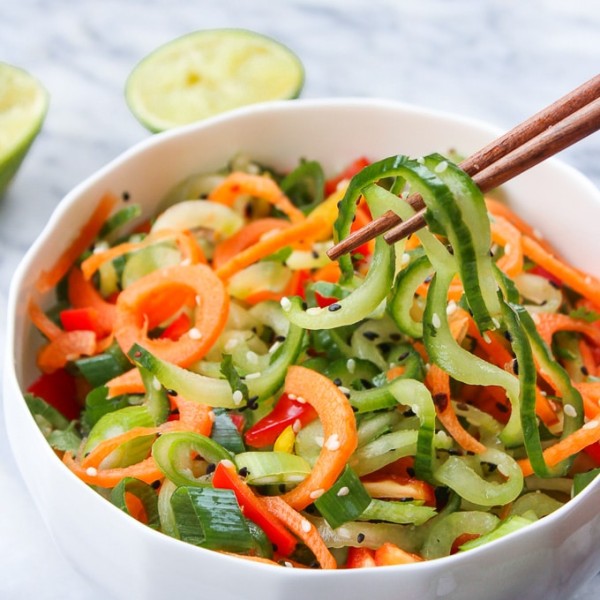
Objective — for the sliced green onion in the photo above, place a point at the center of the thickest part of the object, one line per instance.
(141, 490)
(211, 518)
(120, 218)
(397, 512)
(156, 400)
(173, 453)
(268, 468)
(345, 500)
(225, 432)
(115, 423)
(103, 367)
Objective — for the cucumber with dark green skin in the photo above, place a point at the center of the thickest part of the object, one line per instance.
(407, 281)
(218, 392)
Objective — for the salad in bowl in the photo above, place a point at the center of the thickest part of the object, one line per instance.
(204, 379)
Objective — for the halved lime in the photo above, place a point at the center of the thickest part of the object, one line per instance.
(23, 106)
(209, 72)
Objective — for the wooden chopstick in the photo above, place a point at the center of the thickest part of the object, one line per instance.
(561, 124)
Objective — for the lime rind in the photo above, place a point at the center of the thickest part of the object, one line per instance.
(23, 108)
(208, 72)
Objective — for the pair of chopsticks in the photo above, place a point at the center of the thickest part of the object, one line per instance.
(556, 127)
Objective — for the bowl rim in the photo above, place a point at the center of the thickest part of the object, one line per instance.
(358, 103)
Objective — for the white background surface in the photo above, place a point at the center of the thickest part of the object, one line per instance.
(499, 60)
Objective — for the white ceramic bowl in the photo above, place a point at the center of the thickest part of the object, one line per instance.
(548, 559)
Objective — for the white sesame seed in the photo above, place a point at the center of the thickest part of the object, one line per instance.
(436, 321)
(286, 304)
(507, 249)
(451, 308)
(101, 247)
(237, 397)
(186, 262)
(351, 365)
(231, 344)
(227, 463)
(343, 491)
(305, 525)
(300, 399)
(253, 375)
(441, 167)
(156, 384)
(333, 442)
(317, 493)
(496, 323)
(211, 415)
(405, 259)
(313, 310)
(486, 338)
(570, 410)
(591, 424)
(274, 347)
(198, 299)
(195, 333)
(251, 357)
(91, 472)
(344, 390)
(288, 564)
(292, 396)
(296, 426)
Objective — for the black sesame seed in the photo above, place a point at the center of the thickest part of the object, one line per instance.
(360, 538)
(274, 547)
(395, 337)
(508, 336)
(125, 196)
(243, 472)
(501, 407)
(315, 254)
(367, 384)
(155, 484)
(337, 381)
(304, 306)
(403, 356)
(441, 401)
(210, 467)
(279, 338)
(584, 370)
(333, 307)
(515, 366)
(428, 278)
(462, 406)
(408, 413)
(171, 392)
(410, 472)
(282, 488)
(371, 335)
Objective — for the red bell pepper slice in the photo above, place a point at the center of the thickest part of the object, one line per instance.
(350, 171)
(286, 412)
(59, 390)
(359, 558)
(389, 554)
(177, 327)
(225, 477)
(593, 451)
(81, 319)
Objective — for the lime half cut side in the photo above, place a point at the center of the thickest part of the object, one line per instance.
(23, 106)
(209, 72)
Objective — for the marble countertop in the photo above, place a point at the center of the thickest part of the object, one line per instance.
(499, 61)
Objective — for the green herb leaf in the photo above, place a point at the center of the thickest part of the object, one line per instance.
(233, 377)
(585, 314)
